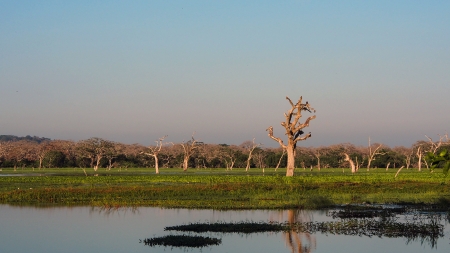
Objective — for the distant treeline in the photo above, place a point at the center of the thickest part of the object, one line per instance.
(26, 138)
(96, 153)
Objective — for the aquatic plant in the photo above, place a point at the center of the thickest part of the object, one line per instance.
(181, 241)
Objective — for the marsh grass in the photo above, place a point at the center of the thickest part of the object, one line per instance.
(222, 189)
(182, 241)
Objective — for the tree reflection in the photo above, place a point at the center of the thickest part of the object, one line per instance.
(297, 241)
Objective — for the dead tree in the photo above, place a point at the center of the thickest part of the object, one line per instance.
(189, 149)
(155, 150)
(294, 131)
(249, 147)
(372, 153)
(352, 164)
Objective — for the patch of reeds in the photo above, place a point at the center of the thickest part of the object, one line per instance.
(227, 227)
(182, 241)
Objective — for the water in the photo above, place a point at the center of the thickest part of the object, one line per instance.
(86, 229)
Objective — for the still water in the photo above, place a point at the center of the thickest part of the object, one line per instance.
(86, 229)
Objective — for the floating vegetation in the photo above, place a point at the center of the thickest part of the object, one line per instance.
(182, 241)
(372, 227)
(355, 211)
(241, 227)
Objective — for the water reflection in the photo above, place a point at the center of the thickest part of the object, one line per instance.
(299, 242)
(87, 229)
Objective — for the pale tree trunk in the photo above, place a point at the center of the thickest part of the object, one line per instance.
(97, 164)
(250, 147)
(279, 161)
(419, 155)
(156, 164)
(290, 160)
(352, 164)
(372, 154)
(189, 149)
(185, 163)
(154, 152)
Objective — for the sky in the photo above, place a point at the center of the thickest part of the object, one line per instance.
(134, 71)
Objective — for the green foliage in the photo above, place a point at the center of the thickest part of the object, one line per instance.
(442, 160)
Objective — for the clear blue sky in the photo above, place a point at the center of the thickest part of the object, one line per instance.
(133, 71)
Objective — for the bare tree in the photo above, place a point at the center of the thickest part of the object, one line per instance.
(249, 146)
(352, 164)
(189, 148)
(373, 151)
(435, 145)
(155, 150)
(294, 130)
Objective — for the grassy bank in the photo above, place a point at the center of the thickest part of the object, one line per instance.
(221, 189)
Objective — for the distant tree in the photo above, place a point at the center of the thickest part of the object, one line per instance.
(249, 147)
(229, 155)
(372, 152)
(18, 152)
(350, 161)
(294, 131)
(189, 148)
(94, 149)
(4, 149)
(154, 151)
(12, 138)
(406, 153)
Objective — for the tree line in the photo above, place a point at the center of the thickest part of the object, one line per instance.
(98, 153)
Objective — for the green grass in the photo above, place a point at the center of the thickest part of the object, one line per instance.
(221, 189)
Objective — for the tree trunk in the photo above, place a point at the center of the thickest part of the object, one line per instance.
(185, 163)
(419, 164)
(290, 160)
(281, 158)
(156, 164)
(352, 164)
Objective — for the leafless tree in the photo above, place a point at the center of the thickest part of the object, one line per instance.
(352, 164)
(294, 131)
(189, 148)
(373, 151)
(434, 146)
(249, 146)
(154, 151)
